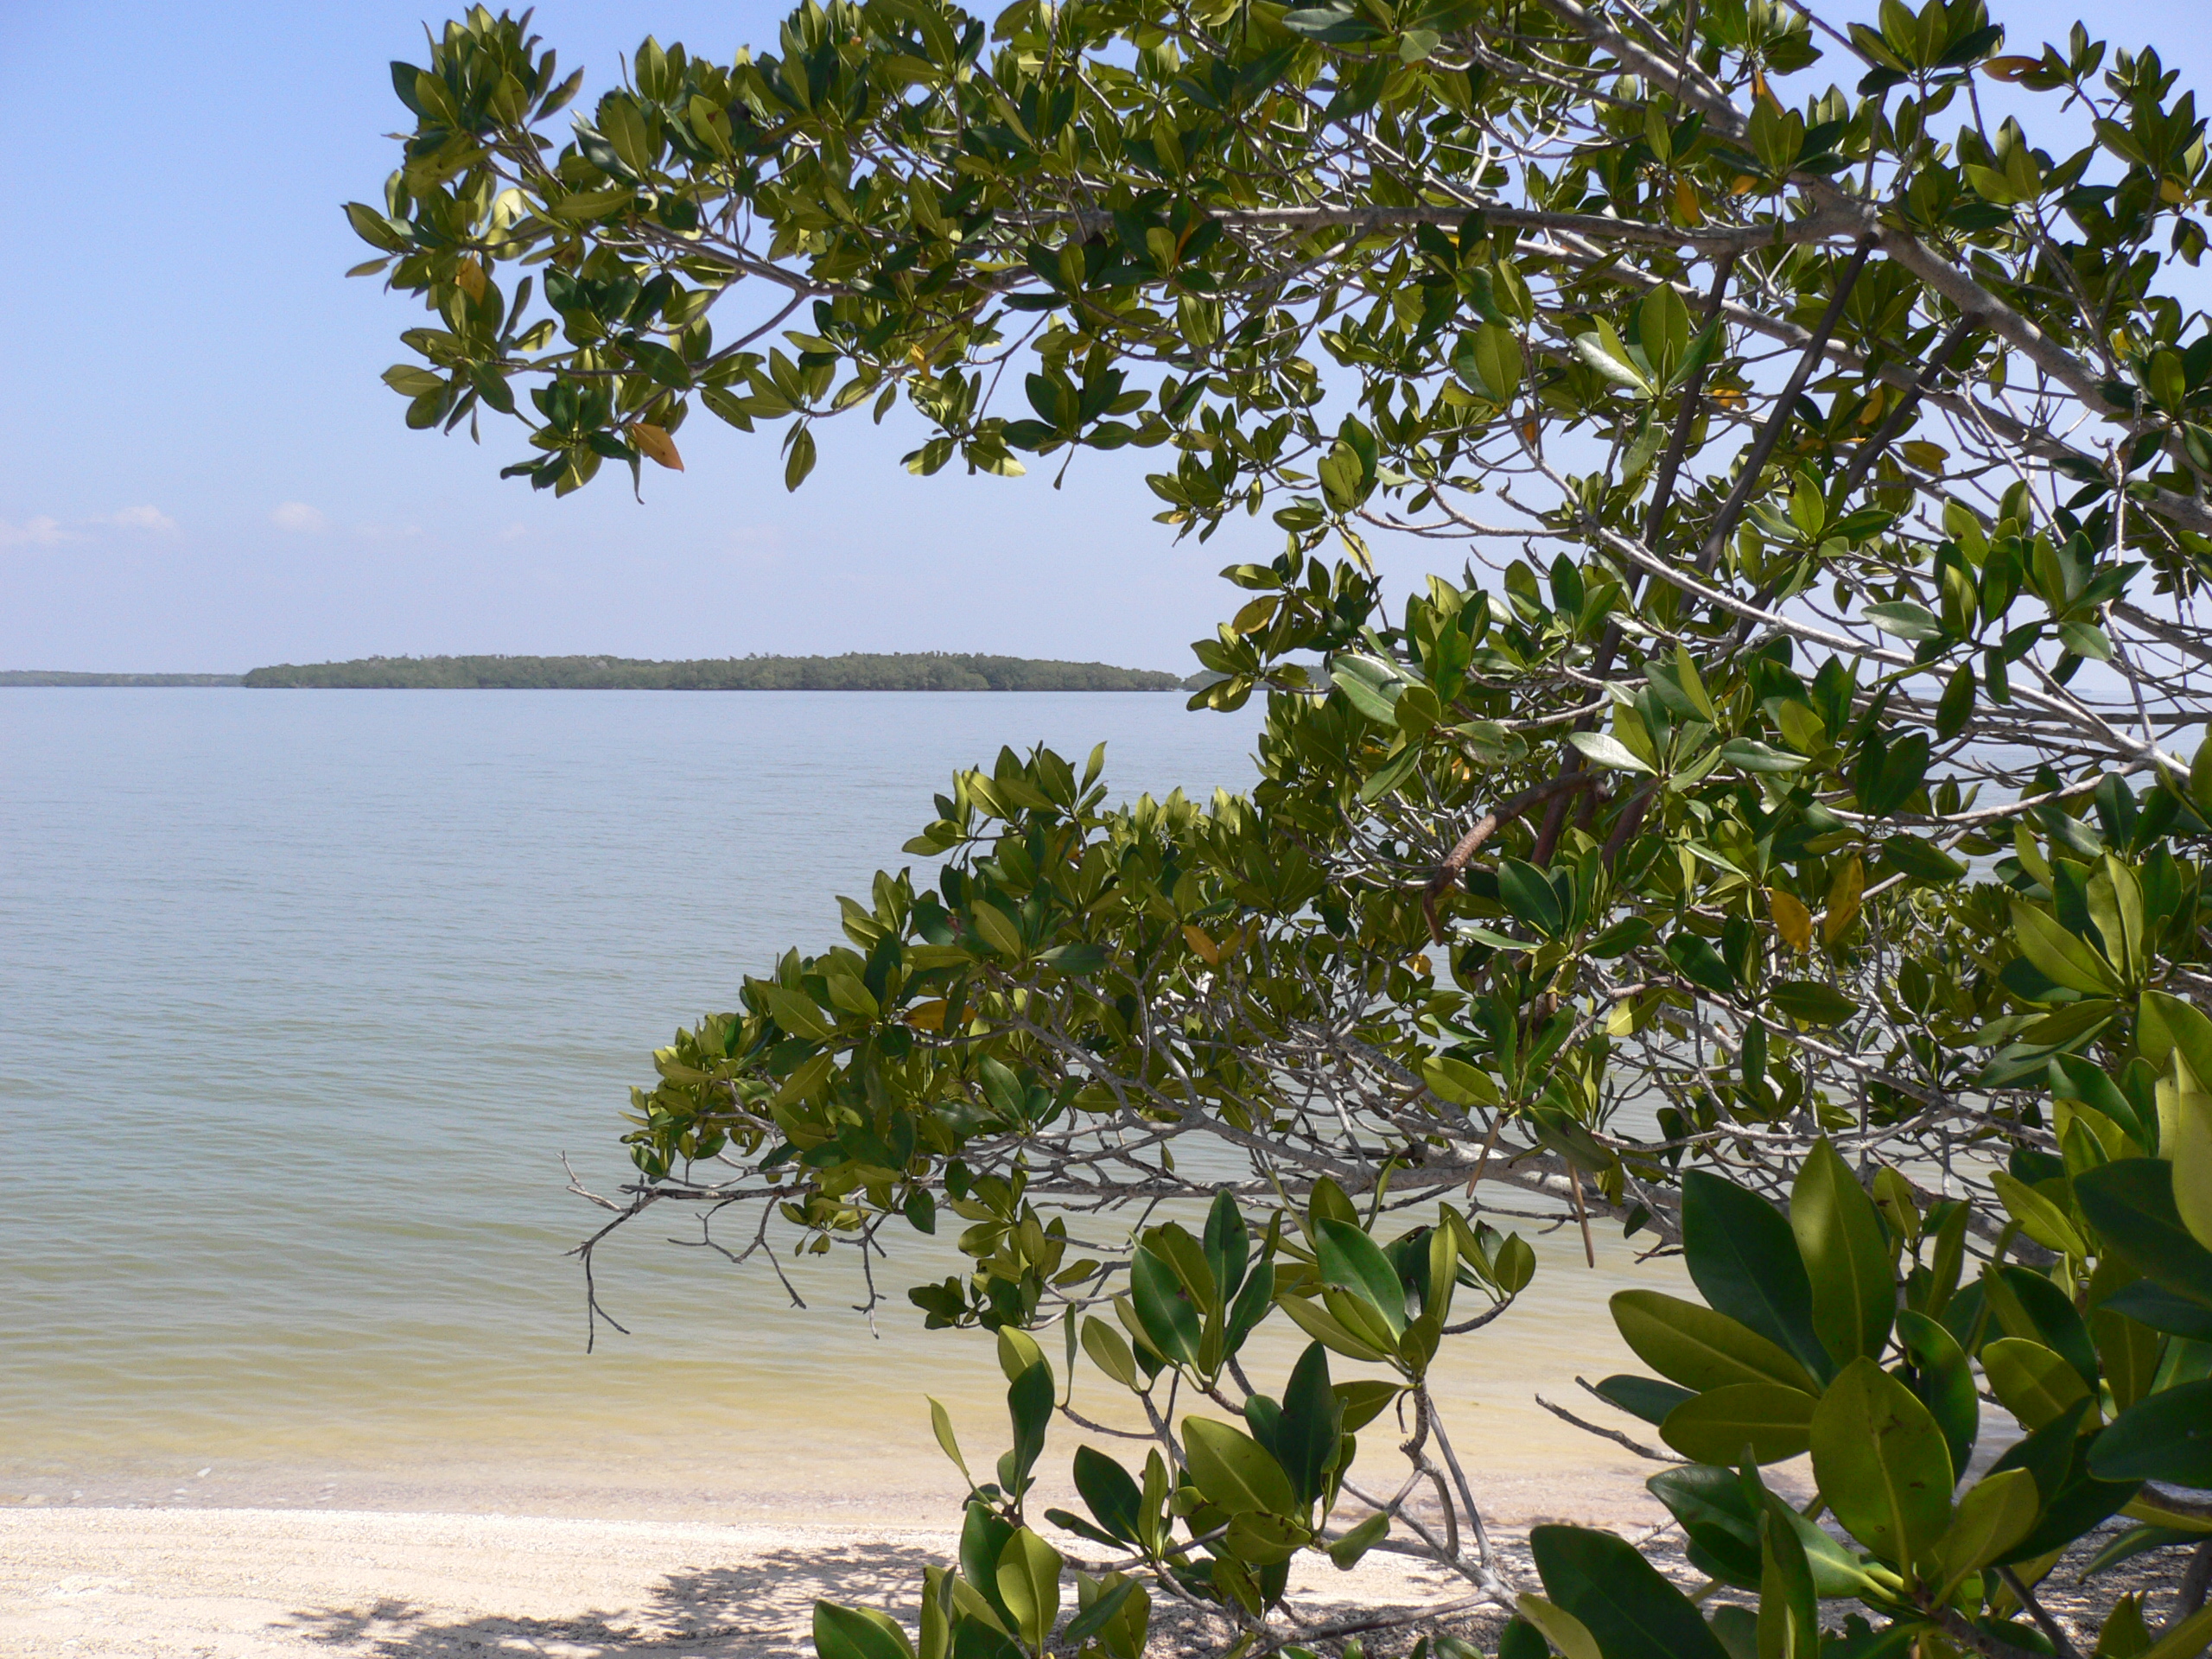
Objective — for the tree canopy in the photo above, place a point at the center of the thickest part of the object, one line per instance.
(1776, 830)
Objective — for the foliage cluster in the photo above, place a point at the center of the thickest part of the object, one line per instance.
(1776, 840)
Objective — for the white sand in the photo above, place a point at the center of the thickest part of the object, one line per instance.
(246, 1583)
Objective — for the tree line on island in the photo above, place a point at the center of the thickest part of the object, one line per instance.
(933, 670)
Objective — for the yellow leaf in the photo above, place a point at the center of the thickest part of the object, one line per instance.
(927, 1016)
(470, 276)
(2190, 1149)
(1843, 901)
(1207, 950)
(1687, 204)
(656, 445)
(1791, 920)
(1560, 1628)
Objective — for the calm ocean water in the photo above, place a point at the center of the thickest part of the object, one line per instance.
(304, 993)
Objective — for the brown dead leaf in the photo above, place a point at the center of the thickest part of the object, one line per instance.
(656, 445)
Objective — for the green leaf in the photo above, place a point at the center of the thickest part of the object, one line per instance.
(1790, 1613)
(1921, 859)
(1496, 363)
(1076, 961)
(2034, 1383)
(1592, 355)
(1362, 1400)
(2131, 1202)
(1906, 619)
(2039, 1218)
(1645, 1398)
(1235, 1471)
(799, 459)
(1558, 1626)
(1110, 1491)
(997, 930)
(1458, 1082)
(1226, 1246)
(1956, 707)
(1324, 1327)
(2165, 1024)
(857, 1633)
(1621, 1599)
(373, 228)
(2166, 1437)
(1102, 1612)
(1717, 1518)
(1749, 756)
(1702, 965)
(794, 1012)
(941, 1426)
(1307, 1438)
(1601, 750)
(1351, 1260)
(1846, 1258)
(1528, 893)
(1698, 1348)
(2061, 956)
(1745, 1261)
(1345, 1552)
(1881, 1464)
(2186, 1640)
(1372, 687)
(1943, 1378)
(1029, 1583)
(1029, 1404)
(1993, 1515)
(1811, 1002)
(1163, 1308)
(1775, 1423)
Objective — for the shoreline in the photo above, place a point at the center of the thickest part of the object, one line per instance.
(270, 1584)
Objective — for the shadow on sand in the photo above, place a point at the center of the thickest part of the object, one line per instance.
(762, 1610)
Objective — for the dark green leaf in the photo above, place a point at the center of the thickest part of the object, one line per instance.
(2166, 1437)
(1620, 1598)
(1351, 1260)
(1745, 1261)
(1645, 1397)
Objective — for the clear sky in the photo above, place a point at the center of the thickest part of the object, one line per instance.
(200, 472)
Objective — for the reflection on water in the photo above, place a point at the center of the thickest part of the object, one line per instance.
(302, 995)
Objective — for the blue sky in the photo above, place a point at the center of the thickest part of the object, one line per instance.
(202, 473)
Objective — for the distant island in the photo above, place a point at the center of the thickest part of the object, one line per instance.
(934, 670)
(54, 676)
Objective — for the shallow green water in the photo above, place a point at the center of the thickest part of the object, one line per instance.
(304, 993)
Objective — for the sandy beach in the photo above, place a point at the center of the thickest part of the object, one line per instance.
(255, 1583)
(207, 1583)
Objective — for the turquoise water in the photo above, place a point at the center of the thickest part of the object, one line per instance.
(302, 995)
